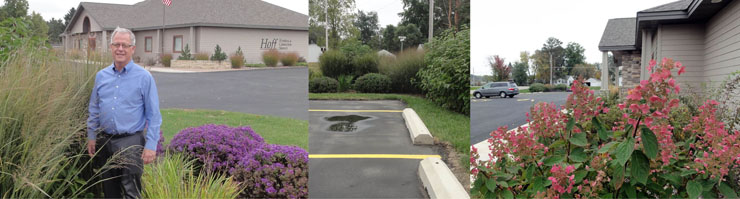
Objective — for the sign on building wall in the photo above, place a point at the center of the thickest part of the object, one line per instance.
(275, 43)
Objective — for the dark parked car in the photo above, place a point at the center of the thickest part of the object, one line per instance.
(501, 89)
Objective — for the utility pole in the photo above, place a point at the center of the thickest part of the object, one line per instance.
(431, 19)
(551, 67)
(326, 24)
(402, 38)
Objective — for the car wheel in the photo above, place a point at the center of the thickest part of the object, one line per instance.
(511, 96)
(502, 94)
(477, 95)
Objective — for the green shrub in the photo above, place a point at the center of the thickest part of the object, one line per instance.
(185, 54)
(345, 82)
(271, 57)
(313, 74)
(201, 56)
(218, 55)
(166, 59)
(257, 65)
(403, 69)
(353, 48)
(174, 176)
(373, 83)
(549, 88)
(301, 64)
(561, 87)
(237, 61)
(334, 63)
(323, 85)
(446, 77)
(289, 58)
(367, 63)
(537, 87)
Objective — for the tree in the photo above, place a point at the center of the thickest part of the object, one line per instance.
(584, 70)
(390, 41)
(520, 73)
(412, 34)
(218, 55)
(500, 70)
(447, 14)
(341, 15)
(14, 9)
(574, 55)
(38, 25)
(551, 47)
(56, 27)
(185, 54)
(69, 15)
(367, 24)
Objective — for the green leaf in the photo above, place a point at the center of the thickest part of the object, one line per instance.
(538, 185)
(727, 191)
(578, 139)
(607, 146)
(619, 133)
(640, 169)
(529, 173)
(624, 150)
(580, 175)
(649, 143)
(618, 177)
(693, 188)
(600, 128)
(503, 184)
(687, 172)
(491, 184)
(630, 191)
(556, 144)
(673, 178)
(507, 194)
(571, 123)
(477, 185)
(549, 161)
(577, 155)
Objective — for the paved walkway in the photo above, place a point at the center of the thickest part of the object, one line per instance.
(362, 149)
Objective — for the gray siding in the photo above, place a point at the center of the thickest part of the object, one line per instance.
(684, 43)
(722, 53)
(229, 39)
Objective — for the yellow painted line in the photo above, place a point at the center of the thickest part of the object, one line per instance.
(379, 156)
(356, 111)
(521, 100)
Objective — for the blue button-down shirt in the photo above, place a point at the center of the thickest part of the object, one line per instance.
(124, 102)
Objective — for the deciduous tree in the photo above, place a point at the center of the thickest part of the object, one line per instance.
(340, 18)
(367, 24)
(501, 72)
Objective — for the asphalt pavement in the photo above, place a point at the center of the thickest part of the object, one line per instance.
(377, 129)
(488, 114)
(276, 92)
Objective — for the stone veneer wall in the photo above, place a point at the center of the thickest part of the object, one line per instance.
(630, 62)
(201, 64)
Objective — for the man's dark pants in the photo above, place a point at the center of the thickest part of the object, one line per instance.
(123, 179)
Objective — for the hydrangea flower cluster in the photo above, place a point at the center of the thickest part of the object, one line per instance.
(715, 149)
(584, 104)
(546, 120)
(264, 170)
(519, 143)
(647, 104)
(562, 180)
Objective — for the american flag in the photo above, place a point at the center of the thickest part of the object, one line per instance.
(167, 2)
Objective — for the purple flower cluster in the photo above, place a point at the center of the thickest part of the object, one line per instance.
(264, 170)
(160, 144)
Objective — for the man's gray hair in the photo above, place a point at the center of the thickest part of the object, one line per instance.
(124, 30)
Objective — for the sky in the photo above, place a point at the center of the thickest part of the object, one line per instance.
(506, 28)
(387, 10)
(58, 8)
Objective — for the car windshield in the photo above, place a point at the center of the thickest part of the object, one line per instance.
(513, 85)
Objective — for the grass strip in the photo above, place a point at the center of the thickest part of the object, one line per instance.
(275, 130)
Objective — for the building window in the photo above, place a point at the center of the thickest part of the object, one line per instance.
(79, 44)
(148, 44)
(177, 44)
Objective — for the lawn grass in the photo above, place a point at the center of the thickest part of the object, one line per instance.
(472, 88)
(442, 123)
(275, 130)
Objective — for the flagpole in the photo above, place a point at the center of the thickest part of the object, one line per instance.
(162, 41)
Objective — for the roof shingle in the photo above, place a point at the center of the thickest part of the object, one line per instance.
(619, 33)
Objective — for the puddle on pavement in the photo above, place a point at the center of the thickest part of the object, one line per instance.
(346, 123)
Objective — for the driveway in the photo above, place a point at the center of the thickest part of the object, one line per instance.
(487, 114)
(357, 154)
(276, 92)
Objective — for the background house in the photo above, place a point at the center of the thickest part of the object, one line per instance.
(253, 25)
(704, 35)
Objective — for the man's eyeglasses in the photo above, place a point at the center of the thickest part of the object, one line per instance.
(118, 45)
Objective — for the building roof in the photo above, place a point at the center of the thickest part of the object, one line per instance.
(619, 34)
(673, 6)
(147, 14)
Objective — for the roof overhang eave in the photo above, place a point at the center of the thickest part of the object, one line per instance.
(617, 48)
(216, 25)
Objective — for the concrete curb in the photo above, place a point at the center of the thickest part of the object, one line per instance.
(439, 181)
(417, 130)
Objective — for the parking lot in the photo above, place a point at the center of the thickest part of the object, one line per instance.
(488, 114)
(276, 92)
(362, 149)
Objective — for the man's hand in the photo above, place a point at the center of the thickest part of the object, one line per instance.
(91, 147)
(148, 156)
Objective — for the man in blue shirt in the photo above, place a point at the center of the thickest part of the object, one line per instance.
(123, 103)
